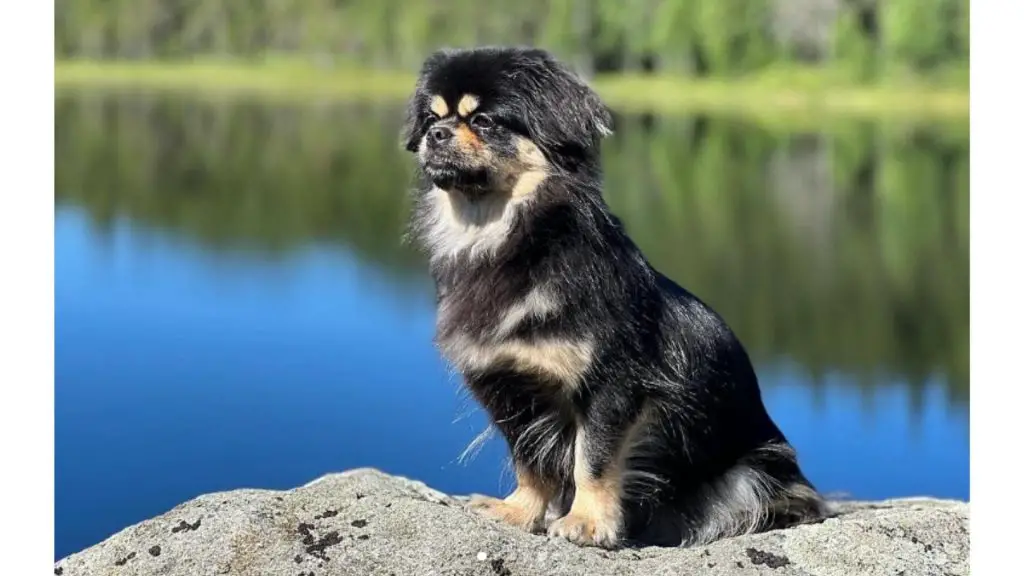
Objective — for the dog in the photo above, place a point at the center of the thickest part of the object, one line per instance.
(631, 411)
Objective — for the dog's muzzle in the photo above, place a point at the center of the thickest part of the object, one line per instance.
(447, 167)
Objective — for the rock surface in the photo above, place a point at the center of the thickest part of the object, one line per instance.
(367, 523)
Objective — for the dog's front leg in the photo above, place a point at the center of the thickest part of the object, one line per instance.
(604, 437)
(524, 507)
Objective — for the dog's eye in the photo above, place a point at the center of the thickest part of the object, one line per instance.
(482, 121)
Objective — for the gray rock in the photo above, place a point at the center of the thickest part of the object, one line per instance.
(367, 523)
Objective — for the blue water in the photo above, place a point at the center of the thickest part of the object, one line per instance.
(180, 371)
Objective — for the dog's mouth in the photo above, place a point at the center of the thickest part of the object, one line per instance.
(447, 176)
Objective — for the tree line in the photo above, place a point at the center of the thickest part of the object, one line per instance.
(866, 39)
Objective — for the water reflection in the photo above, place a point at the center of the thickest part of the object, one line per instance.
(843, 250)
(235, 307)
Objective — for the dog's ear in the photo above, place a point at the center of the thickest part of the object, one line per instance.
(593, 115)
(415, 118)
(567, 115)
(417, 109)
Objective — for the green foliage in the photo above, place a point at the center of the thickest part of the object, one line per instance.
(925, 35)
(733, 35)
(855, 50)
(694, 37)
(843, 249)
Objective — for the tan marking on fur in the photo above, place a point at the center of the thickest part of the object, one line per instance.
(467, 104)
(532, 168)
(529, 153)
(466, 138)
(528, 183)
(439, 106)
(538, 303)
(524, 508)
(595, 517)
(564, 361)
(561, 360)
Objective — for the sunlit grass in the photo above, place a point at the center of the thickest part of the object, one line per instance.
(791, 94)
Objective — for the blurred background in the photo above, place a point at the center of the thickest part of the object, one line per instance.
(235, 307)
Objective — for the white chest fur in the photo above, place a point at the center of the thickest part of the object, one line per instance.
(456, 226)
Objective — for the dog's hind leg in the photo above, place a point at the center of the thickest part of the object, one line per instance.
(764, 491)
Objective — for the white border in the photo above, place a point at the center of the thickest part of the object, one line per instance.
(26, 306)
(26, 291)
(997, 185)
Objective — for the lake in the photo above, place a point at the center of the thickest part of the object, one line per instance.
(235, 306)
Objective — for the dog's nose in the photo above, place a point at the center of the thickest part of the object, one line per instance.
(440, 134)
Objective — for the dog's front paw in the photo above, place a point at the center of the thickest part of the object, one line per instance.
(586, 531)
(508, 511)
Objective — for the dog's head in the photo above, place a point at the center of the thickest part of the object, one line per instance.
(481, 118)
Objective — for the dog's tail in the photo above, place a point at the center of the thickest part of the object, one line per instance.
(765, 491)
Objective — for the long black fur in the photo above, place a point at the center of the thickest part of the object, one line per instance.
(709, 461)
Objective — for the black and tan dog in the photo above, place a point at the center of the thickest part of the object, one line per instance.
(630, 409)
